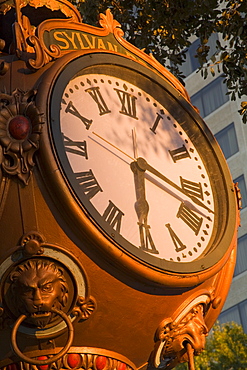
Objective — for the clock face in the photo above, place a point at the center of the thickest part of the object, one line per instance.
(140, 168)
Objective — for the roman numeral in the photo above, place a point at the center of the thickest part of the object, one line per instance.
(192, 188)
(190, 218)
(72, 110)
(113, 215)
(88, 183)
(179, 246)
(146, 239)
(158, 118)
(179, 153)
(70, 146)
(95, 93)
(128, 102)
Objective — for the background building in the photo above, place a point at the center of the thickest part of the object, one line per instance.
(221, 115)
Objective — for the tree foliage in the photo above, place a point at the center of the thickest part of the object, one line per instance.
(226, 349)
(164, 28)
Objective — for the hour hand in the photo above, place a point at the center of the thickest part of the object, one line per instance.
(141, 204)
(143, 165)
(142, 209)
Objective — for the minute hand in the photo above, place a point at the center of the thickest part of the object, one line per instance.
(143, 165)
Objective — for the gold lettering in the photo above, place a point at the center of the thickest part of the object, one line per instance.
(101, 45)
(58, 36)
(80, 41)
(91, 44)
(75, 40)
(71, 39)
(111, 47)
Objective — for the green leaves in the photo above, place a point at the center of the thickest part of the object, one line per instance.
(226, 349)
(164, 28)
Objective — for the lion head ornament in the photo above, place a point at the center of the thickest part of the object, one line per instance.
(36, 288)
(172, 338)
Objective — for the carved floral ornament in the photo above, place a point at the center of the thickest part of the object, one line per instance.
(20, 129)
(180, 339)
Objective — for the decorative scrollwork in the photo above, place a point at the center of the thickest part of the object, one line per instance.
(20, 129)
(109, 23)
(41, 58)
(84, 308)
(31, 244)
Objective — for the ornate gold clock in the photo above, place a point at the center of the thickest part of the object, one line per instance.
(136, 169)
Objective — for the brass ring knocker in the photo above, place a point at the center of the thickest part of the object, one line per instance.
(51, 359)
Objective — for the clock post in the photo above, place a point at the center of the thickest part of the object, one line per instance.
(118, 214)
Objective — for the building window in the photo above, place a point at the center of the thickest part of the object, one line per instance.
(242, 186)
(232, 314)
(210, 97)
(241, 264)
(237, 313)
(228, 140)
(191, 63)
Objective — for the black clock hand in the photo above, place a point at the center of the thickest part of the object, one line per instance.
(142, 209)
(141, 204)
(144, 166)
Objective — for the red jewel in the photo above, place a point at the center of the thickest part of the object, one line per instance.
(42, 367)
(100, 362)
(74, 360)
(19, 127)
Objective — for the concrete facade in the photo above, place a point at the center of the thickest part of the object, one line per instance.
(235, 308)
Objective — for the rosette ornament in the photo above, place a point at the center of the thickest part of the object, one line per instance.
(20, 129)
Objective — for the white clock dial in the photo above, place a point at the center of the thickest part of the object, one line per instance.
(134, 168)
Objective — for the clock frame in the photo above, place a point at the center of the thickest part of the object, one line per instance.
(81, 218)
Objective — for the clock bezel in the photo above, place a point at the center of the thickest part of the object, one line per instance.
(84, 224)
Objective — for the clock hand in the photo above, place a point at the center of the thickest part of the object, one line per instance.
(189, 204)
(114, 146)
(144, 166)
(134, 142)
(142, 209)
(141, 204)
